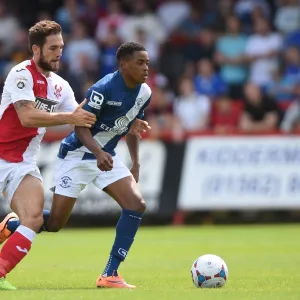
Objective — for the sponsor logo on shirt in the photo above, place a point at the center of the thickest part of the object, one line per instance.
(21, 82)
(121, 126)
(45, 104)
(96, 100)
(114, 103)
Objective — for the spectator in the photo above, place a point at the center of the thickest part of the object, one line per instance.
(178, 9)
(114, 20)
(207, 81)
(262, 51)
(230, 56)
(67, 15)
(110, 45)
(287, 19)
(244, 10)
(191, 26)
(291, 120)
(81, 49)
(142, 18)
(9, 28)
(90, 14)
(159, 112)
(191, 110)
(292, 63)
(283, 83)
(225, 115)
(260, 113)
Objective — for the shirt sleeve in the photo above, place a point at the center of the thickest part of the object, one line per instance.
(69, 103)
(96, 99)
(19, 84)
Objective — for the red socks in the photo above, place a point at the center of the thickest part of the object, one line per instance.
(15, 249)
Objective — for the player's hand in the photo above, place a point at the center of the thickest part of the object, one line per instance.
(139, 127)
(104, 161)
(135, 171)
(82, 117)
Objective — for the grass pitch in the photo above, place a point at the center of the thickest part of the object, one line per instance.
(263, 263)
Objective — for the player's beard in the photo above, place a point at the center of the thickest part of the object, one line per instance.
(46, 66)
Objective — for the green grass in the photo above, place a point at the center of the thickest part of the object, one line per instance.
(263, 263)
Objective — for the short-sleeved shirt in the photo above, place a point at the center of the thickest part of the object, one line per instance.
(116, 107)
(25, 82)
(258, 112)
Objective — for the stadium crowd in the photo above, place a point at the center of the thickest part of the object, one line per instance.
(216, 65)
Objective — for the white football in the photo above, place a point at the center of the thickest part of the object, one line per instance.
(209, 271)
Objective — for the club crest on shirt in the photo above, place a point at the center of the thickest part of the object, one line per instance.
(139, 103)
(57, 91)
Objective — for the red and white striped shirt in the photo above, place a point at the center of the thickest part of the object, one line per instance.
(25, 82)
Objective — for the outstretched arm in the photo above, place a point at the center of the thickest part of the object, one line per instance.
(29, 116)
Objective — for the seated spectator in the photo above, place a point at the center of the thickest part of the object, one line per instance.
(110, 45)
(284, 82)
(260, 112)
(230, 57)
(281, 87)
(81, 49)
(262, 51)
(291, 120)
(114, 20)
(159, 113)
(292, 63)
(207, 81)
(191, 110)
(67, 15)
(292, 39)
(225, 115)
(287, 18)
(244, 10)
(178, 9)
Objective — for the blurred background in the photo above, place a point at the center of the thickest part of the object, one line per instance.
(225, 111)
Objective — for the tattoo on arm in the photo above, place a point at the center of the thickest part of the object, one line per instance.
(23, 103)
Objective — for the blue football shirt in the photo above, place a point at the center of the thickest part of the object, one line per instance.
(116, 107)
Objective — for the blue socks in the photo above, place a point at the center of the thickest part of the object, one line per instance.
(126, 229)
(13, 224)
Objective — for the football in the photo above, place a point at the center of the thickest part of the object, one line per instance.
(209, 271)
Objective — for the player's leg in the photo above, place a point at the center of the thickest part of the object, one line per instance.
(60, 212)
(70, 178)
(126, 192)
(27, 201)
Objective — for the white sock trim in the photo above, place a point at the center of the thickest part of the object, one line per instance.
(26, 232)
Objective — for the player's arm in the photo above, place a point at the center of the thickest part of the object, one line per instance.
(19, 84)
(31, 117)
(104, 159)
(94, 104)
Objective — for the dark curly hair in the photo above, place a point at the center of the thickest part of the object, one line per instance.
(128, 49)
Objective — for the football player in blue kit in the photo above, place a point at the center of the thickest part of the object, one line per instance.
(88, 155)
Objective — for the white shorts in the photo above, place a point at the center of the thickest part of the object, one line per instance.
(72, 176)
(11, 175)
